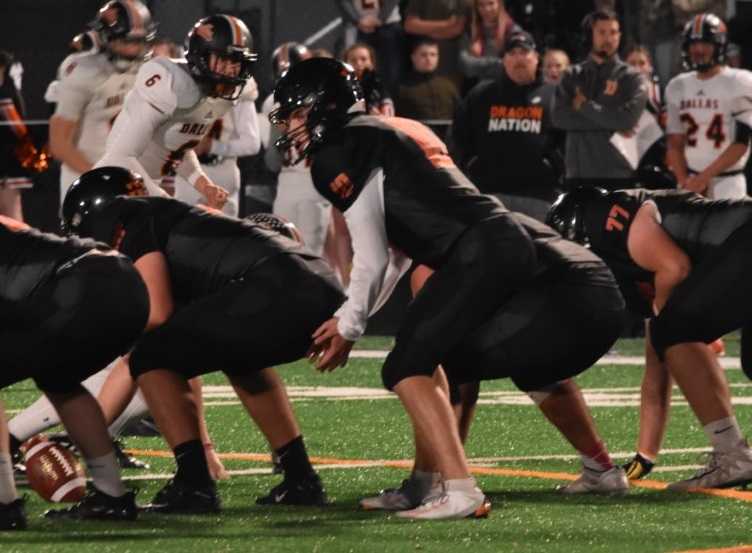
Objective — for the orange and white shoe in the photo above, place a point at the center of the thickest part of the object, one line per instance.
(460, 499)
(718, 347)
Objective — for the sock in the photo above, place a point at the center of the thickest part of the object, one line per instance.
(648, 458)
(597, 459)
(36, 418)
(8, 492)
(294, 460)
(15, 445)
(724, 434)
(105, 474)
(137, 408)
(460, 485)
(192, 467)
(424, 481)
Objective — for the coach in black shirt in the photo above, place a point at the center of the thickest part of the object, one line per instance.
(502, 135)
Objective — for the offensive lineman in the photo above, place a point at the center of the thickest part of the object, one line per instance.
(695, 254)
(709, 111)
(225, 295)
(59, 323)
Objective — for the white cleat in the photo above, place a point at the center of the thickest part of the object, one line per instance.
(610, 482)
(409, 495)
(451, 504)
(725, 469)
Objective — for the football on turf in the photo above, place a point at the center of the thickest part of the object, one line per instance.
(53, 471)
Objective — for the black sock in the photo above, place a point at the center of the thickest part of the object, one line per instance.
(192, 467)
(294, 460)
(15, 444)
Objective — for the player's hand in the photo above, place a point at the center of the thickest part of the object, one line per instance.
(217, 470)
(216, 196)
(579, 99)
(697, 183)
(329, 349)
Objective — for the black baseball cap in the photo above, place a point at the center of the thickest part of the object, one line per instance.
(519, 39)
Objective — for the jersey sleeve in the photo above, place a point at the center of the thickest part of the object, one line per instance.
(139, 238)
(673, 118)
(79, 76)
(154, 83)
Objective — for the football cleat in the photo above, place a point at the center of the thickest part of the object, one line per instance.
(19, 469)
(610, 482)
(638, 467)
(306, 492)
(724, 469)
(409, 495)
(97, 505)
(179, 497)
(13, 515)
(451, 504)
(125, 460)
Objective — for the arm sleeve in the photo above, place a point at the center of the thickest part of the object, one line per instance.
(245, 139)
(625, 116)
(190, 167)
(365, 221)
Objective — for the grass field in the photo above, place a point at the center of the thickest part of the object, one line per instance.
(359, 436)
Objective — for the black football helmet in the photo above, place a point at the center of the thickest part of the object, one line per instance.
(331, 92)
(128, 21)
(705, 27)
(566, 214)
(286, 55)
(226, 37)
(270, 221)
(86, 208)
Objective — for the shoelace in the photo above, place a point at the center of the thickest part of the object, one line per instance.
(711, 463)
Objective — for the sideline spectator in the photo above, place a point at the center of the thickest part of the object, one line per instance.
(481, 48)
(363, 60)
(425, 94)
(502, 135)
(599, 102)
(555, 62)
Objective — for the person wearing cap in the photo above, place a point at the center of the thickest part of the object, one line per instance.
(599, 102)
(502, 135)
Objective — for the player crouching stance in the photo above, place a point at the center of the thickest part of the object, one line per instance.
(400, 192)
(69, 307)
(225, 295)
(696, 254)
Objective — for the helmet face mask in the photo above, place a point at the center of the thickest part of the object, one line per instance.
(219, 54)
(326, 92)
(566, 216)
(126, 31)
(705, 28)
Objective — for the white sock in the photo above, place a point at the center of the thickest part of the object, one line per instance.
(7, 483)
(724, 434)
(460, 485)
(137, 408)
(105, 474)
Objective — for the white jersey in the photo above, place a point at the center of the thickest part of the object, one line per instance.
(164, 117)
(91, 91)
(708, 113)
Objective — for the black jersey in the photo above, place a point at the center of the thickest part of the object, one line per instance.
(428, 202)
(204, 250)
(28, 258)
(699, 226)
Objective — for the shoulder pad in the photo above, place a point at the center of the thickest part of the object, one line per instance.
(82, 70)
(154, 82)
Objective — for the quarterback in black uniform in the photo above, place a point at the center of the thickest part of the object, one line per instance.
(60, 322)
(402, 197)
(225, 295)
(696, 254)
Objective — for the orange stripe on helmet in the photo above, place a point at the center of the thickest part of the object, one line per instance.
(698, 25)
(237, 34)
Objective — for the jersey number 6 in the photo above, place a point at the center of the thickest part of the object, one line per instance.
(151, 81)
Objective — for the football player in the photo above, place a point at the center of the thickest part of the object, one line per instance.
(251, 299)
(694, 254)
(91, 86)
(174, 104)
(60, 322)
(402, 197)
(709, 113)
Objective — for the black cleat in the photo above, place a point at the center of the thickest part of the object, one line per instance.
(306, 492)
(638, 467)
(144, 427)
(13, 515)
(98, 505)
(178, 497)
(19, 469)
(127, 461)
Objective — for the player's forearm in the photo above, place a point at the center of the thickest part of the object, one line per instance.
(63, 148)
(730, 156)
(676, 161)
